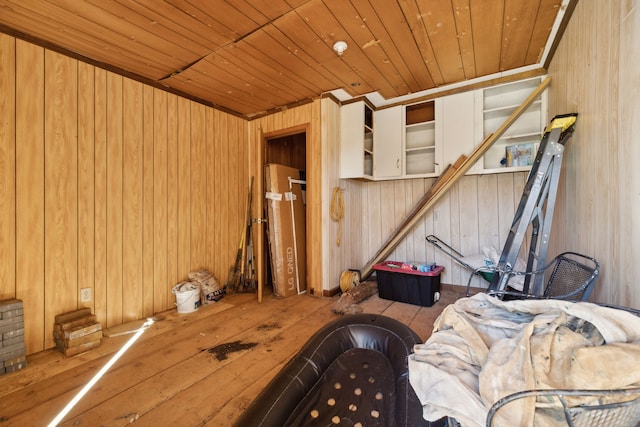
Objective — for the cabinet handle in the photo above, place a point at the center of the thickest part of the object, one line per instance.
(397, 163)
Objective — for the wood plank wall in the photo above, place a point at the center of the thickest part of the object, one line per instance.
(595, 72)
(476, 212)
(336, 256)
(108, 184)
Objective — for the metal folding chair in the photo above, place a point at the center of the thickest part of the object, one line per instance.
(569, 276)
(611, 408)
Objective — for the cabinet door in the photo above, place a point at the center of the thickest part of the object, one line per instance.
(457, 128)
(352, 161)
(387, 142)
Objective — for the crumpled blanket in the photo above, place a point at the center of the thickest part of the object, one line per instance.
(483, 349)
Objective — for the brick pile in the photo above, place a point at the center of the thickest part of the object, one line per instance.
(13, 353)
(77, 331)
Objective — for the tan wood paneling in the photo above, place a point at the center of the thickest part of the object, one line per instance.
(317, 205)
(30, 186)
(198, 188)
(419, 233)
(161, 171)
(625, 251)
(147, 203)
(465, 37)
(232, 193)
(488, 205)
(61, 188)
(103, 165)
(373, 214)
(220, 213)
(227, 237)
(86, 183)
(132, 201)
(333, 256)
(115, 166)
(210, 243)
(514, 43)
(477, 211)
(183, 182)
(170, 202)
(7, 166)
(468, 220)
(440, 25)
(386, 207)
(440, 223)
(400, 203)
(409, 243)
(507, 202)
(596, 68)
(454, 273)
(100, 171)
(487, 35)
(430, 70)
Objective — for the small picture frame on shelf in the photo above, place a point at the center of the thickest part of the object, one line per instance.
(520, 154)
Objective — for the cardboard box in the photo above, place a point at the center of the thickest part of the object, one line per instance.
(286, 225)
(405, 285)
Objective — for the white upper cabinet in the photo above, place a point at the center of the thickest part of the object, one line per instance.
(422, 139)
(356, 141)
(516, 149)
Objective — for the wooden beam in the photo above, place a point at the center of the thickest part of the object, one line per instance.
(446, 181)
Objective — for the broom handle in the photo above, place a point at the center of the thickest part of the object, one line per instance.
(245, 230)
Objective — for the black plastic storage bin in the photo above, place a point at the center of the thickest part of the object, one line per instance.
(398, 282)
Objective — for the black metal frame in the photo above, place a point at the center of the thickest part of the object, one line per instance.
(617, 414)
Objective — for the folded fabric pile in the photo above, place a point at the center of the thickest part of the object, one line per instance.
(483, 349)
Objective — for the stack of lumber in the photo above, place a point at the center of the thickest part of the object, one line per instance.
(77, 331)
(12, 349)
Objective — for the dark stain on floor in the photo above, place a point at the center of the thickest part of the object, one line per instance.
(269, 326)
(222, 350)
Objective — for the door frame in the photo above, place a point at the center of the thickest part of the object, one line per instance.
(259, 237)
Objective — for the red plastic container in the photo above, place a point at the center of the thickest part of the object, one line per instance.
(398, 282)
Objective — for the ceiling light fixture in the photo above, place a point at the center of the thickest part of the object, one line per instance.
(340, 46)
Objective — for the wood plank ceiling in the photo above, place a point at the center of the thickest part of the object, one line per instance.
(250, 57)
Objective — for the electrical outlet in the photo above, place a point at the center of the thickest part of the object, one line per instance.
(85, 294)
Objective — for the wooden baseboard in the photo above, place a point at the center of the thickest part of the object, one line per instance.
(331, 292)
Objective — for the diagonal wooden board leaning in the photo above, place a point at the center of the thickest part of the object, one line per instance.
(449, 177)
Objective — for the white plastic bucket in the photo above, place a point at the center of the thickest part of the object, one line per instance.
(187, 296)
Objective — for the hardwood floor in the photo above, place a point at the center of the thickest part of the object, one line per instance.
(196, 369)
